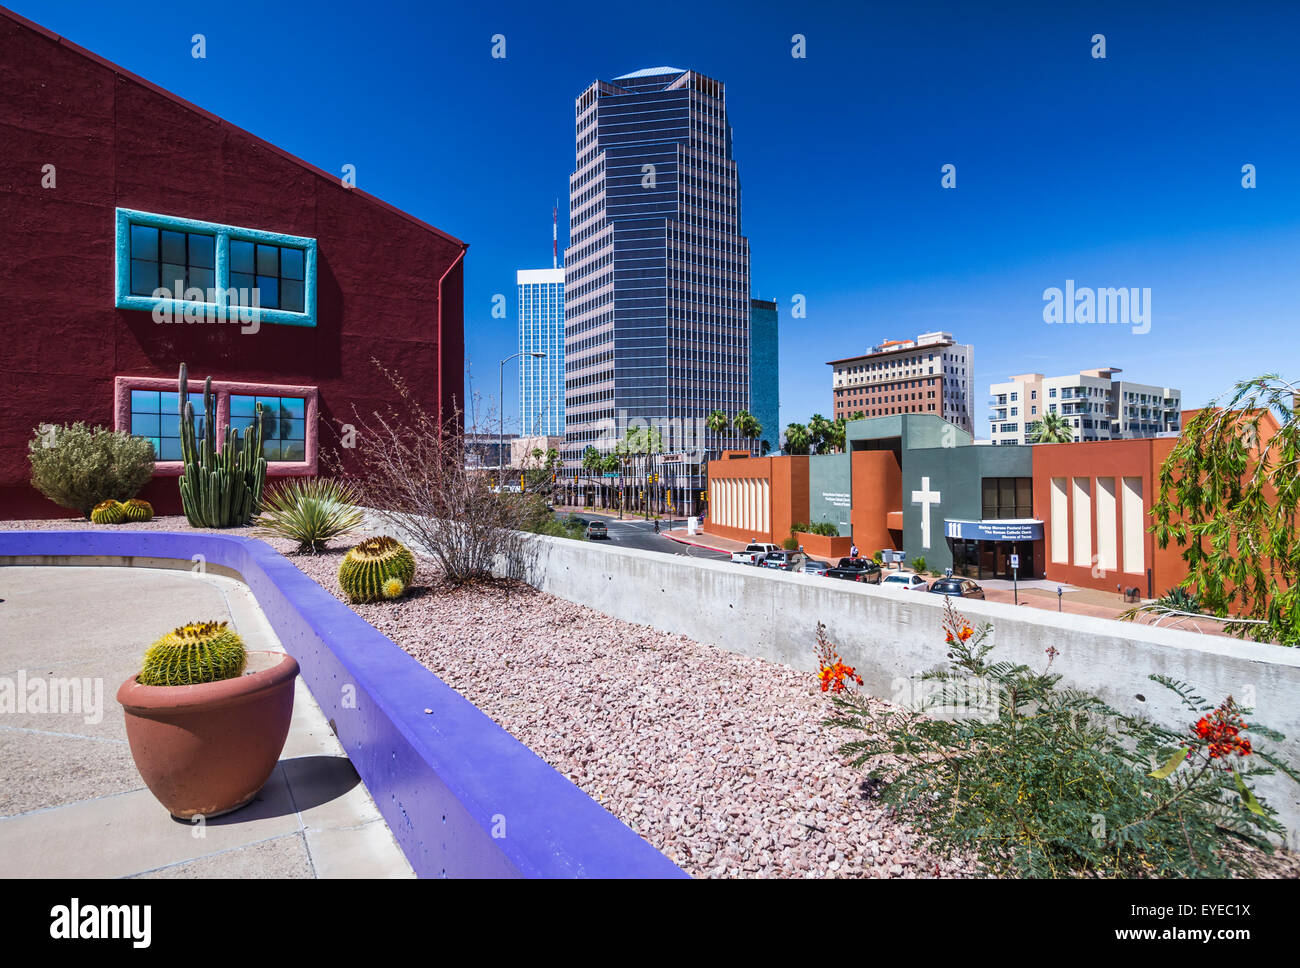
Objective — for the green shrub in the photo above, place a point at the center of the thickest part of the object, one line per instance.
(918, 564)
(1048, 782)
(790, 544)
(877, 557)
(1180, 599)
(309, 511)
(77, 467)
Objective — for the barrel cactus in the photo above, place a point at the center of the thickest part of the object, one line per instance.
(137, 510)
(108, 512)
(194, 653)
(375, 569)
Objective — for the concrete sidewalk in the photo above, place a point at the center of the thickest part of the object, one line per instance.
(71, 801)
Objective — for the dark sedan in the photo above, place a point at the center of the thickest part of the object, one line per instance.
(957, 588)
(856, 569)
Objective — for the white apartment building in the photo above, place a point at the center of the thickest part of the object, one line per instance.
(1096, 404)
(930, 374)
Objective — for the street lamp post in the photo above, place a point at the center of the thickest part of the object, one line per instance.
(501, 416)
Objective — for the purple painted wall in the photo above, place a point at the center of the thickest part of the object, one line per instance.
(445, 781)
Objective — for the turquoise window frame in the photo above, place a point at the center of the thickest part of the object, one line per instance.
(221, 310)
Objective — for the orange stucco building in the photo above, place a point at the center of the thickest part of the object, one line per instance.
(757, 498)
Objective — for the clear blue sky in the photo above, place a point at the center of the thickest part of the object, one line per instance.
(1117, 172)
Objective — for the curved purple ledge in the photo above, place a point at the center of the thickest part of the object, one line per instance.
(462, 796)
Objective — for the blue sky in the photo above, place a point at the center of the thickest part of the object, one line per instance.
(1117, 172)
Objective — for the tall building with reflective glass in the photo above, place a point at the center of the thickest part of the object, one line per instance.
(541, 330)
(656, 272)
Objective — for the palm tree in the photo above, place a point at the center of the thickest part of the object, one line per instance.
(747, 425)
(717, 422)
(820, 434)
(797, 439)
(1053, 429)
(835, 437)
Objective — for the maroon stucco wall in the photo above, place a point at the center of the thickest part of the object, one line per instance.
(389, 287)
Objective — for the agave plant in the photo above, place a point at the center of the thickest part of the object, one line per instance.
(309, 511)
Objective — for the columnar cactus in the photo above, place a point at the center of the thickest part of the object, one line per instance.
(194, 653)
(137, 510)
(108, 512)
(377, 568)
(219, 488)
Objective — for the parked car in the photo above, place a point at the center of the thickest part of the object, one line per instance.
(906, 580)
(957, 588)
(856, 569)
(753, 553)
(597, 529)
(814, 567)
(784, 560)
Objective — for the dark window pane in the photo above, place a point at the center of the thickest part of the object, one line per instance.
(291, 263)
(144, 277)
(269, 291)
(144, 243)
(270, 449)
(241, 257)
(172, 275)
(268, 260)
(203, 279)
(202, 250)
(291, 296)
(243, 285)
(173, 247)
(293, 450)
(293, 429)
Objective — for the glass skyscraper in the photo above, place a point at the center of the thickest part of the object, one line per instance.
(541, 330)
(656, 272)
(764, 369)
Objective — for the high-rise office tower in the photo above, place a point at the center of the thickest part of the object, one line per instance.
(764, 378)
(656, 271)
(541, 330)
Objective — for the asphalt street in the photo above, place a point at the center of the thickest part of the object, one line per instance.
(640, 534)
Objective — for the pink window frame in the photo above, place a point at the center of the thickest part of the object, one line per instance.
(222, 389)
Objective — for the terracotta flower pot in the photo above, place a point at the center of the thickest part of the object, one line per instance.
(208, 749)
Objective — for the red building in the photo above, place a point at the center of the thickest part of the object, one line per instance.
(282, 282)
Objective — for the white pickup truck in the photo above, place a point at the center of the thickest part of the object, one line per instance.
(753, 553)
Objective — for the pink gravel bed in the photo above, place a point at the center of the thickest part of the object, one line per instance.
(717, 759)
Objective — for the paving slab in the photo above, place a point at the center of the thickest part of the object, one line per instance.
(71, 801)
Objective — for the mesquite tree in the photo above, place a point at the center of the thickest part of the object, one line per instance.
(1229, 492)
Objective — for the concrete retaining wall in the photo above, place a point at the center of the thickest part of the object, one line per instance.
(892, 635)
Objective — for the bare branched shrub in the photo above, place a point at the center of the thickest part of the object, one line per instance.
(409, 468)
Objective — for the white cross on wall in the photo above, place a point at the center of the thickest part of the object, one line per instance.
(925, 497)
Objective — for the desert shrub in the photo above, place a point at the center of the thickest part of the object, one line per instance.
(309, 511)
(790, 544)
(1181, 600)
(1047, 782)
(877, 557)
(77, 467)
(825, 528)
(918, 564)
(409, 468)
